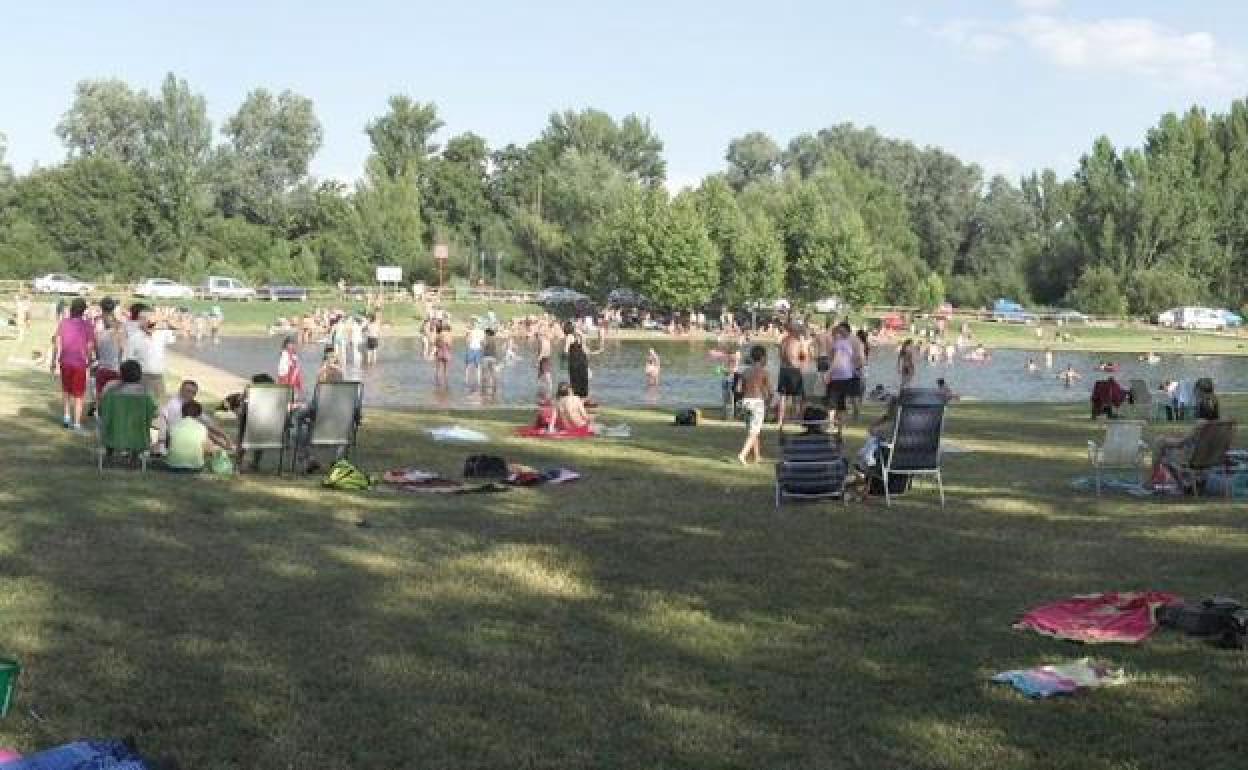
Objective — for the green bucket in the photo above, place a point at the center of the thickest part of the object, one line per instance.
(9, 669)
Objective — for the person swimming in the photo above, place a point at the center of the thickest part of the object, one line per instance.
(1032, 366)
(1069, 376)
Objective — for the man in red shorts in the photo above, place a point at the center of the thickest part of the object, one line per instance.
(74, 341)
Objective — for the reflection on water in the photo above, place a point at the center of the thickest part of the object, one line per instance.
(403, 378)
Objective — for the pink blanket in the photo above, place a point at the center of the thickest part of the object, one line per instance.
(1127, 617)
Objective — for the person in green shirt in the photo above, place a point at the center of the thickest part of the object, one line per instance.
(190, 441)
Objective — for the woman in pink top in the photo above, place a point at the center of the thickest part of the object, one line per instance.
(74, 341)
(288, 370)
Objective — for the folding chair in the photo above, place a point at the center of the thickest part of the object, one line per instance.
(914, 449)
(123, 423)
(266, 421)
(1123, 447)
(336, 421)
(1209, 454)
(811, 468)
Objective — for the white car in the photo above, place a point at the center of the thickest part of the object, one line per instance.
(62, 283)
(163, 288)
(221, 287)
(1167, 318)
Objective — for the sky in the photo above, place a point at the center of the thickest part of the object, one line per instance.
(1013, 85)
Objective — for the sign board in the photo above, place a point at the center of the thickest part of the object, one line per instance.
(389, 275)
(441, 251)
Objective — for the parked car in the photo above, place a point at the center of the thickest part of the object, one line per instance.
(1167, 317)
(559, 295)
(163, 288)
(1070, 317)
(220, 287)
(1194, 318)
(1232, 320)
(1009, 311)
(828, 305)
(62, 283)
(279, 292)
(626, 298)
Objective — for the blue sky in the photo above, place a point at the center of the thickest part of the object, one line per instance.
(1012, 84)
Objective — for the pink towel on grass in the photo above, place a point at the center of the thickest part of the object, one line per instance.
(1127, 617)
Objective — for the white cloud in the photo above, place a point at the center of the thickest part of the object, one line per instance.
(1034, 6)
(1130, 46)
(911, 21)
(974, 36)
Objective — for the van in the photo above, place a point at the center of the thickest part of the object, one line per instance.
(221, 287)
(1205, 318)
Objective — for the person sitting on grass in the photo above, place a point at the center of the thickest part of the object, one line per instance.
(570, 413)
(190, 440)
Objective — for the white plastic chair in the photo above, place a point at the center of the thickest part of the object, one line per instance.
(1123, 447)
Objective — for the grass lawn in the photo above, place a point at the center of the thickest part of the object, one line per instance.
(1139, 338)
(256, 317)
(658, 613)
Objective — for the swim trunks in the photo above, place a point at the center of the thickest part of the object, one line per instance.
(790, 381)
(755, 413)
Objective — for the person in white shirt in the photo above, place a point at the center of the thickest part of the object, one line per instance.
(188, 391)
(148, 348)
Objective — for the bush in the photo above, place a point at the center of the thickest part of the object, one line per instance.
(1097, 293)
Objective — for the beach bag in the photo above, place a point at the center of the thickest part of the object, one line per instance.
(344, 475)
(687, 417)
(485, 467)
(220, 464)
(1211, 617)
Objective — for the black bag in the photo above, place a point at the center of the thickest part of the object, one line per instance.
(687, 417)
(898, 484)
(485, 467)
(1211, 617)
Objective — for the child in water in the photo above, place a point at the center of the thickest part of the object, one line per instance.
(653, 365)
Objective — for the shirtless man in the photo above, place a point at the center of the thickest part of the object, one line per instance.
(789, 382)
(755, 393)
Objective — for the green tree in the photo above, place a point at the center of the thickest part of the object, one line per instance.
(402, 139)
(752, 157)
(178, 141)
(107, 118)
(1098, 293)
(664, 248)
(271, 143)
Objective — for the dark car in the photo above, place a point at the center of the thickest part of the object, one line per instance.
(276, 293)
(627, 298)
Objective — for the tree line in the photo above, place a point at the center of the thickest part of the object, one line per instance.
(148, 189)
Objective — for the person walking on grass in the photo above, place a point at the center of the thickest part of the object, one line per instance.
(755, 395)
(74, 342)
(789, 382)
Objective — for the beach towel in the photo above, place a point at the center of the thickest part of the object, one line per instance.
(527, 477)
(457, 433)
(1127, 617)
(81, 755)
(1064, 679)
(1127, 486)
(417, 480)
(530, 431)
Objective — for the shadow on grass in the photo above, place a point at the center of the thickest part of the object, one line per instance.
(658, 613)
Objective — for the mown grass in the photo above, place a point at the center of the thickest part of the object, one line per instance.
(1122, 338)
(657, 613)
(256, 317)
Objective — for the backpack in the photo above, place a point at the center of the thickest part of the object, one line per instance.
(344, 475)
(485, 467)
(687, 417)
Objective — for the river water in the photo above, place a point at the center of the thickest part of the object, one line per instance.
(403, 378)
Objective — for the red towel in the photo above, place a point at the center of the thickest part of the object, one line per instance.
(1127, 617)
